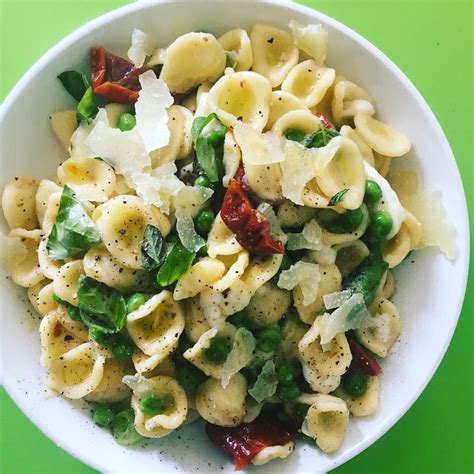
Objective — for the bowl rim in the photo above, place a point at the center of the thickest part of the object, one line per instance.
(463, 239)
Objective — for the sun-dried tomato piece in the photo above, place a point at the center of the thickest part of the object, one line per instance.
(325, 121)
(252, 230)
(116, 93)
(362, 361)
(98, 66)
(244, 442)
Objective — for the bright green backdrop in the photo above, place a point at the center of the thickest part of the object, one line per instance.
(432, 42)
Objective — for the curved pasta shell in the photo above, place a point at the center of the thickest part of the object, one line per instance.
(196, 323)
(222, 406)
(66, 281)
(90, 179)
(231, 158)
(180, 121)
(349, 100)
(334, 239)
(64, 123)
(43, 193)
(302, 120)
(238, 41)
(325, 106)
(309, 82)
(381, 337)
(320, 383)
(334, 359)
(155, 326)
(159, 425)
(26, 272)
(235, 266)
(293, 330)
(121, 186)
(330, 281)
(41, 299)
(100, 265)
(326, 422)
(382, 164)
(50, 212)
(342, 168)
(386, 288)
(76, 328)
(365, 150)
(273, 452)
(243, 96)
(18, 202)
(313, 197)
(165, 367)
(350, 255)
(49, 268)
(366, 404)
(381, 137)
(221, 240)
(191, 59)
(292, 215)
(274, 52)
(261, 270)
(281, 103)
(122, 221)
(265, 180)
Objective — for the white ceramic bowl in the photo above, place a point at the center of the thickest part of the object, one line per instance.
(429, 292)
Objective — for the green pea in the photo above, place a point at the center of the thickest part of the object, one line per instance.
(102, 415)
(269, 338)
(286, 373)
(340, 223)
(203, 181)
(288, 392)
(373, 192)
(204, 220)
(381, 223)
(294, 135)
(355, 384)
(123, 428)
(217, 351)
(122, 351)
(126, 122)
(354, 218)
(190, 377)
(135, 301)
(154, 404)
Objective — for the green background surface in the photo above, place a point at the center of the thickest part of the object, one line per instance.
(432, 42)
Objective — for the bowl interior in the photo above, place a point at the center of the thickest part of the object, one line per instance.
(429, 288)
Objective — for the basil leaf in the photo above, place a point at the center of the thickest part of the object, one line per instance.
(101, 307)
(74, 231)
(338, 197)
(177, 262)
(72, 310)
(86, 108)
(266, 383)
(320, 138)
(152, 248)
(75, 83)
(206, 157)
(199, 124)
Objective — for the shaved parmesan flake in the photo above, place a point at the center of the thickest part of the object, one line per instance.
(389, 202)
(351, 315)
(309, 238)
(133, 381)
(297, 170)
(143, 45)
(275, 230)
(12, 252)
(239, 356)
(304, 274)
(258, 148)
(188, 202)
(152, 118)
(266, 384)
(334, 300)
(312, 39)
(79, 148)
(325, 256)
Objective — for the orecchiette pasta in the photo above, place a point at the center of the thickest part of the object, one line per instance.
(196, 323)
(366, 404)
(365, 150)
(221, 240)
(280, 104)
(64, 123)
(330, 238)
(45, 189)
(302, 120)
(18, 202)
(49, 268)
(349, 100)
(238, 42)
(235, 266)
(66, 281)
(273, 452)
(292, 215)
(350, 255)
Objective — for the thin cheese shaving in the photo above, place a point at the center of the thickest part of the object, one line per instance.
(143, 45)
(304, 274)
(275, 230)
(312, 39)
(336, 299)
(79, 148)
(309, 238)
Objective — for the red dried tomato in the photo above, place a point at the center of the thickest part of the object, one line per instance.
(252, 230)
(244, 442)
(362, 361)
(116, 93)
(324, 120)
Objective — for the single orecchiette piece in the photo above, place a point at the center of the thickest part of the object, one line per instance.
(365, 150)
(64, 123)
(330, 281)
(381, 137)
(381, 337)
(386, 288)
(18, 202)
(320, 383)
(49, 268)
(232, 158)
(235, 266)
(191, 59)
(201, 275)
(100, 265)
(273, 452)
(333, 359)
(164, 423)
(350, 255)
(77, 328)
(274, 52)
(280, 104)
(33, 293)
(196, 323)
(222, 406)
(155, 326)
(66, 281)
(382, 164)
(349, 100)
(309, 82)
(90, 179)
(261, 270)
(122, 221)
(312, 39)
(367, 403)
(302, 120)
(334, 239)
(238, 42)
(326, 422)
(26, 272)
(293, 331)
(221, 240)
(50, 212)
(264, 180)
(180, 121)
(243, 96)
(45, 189)
(44, 302)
